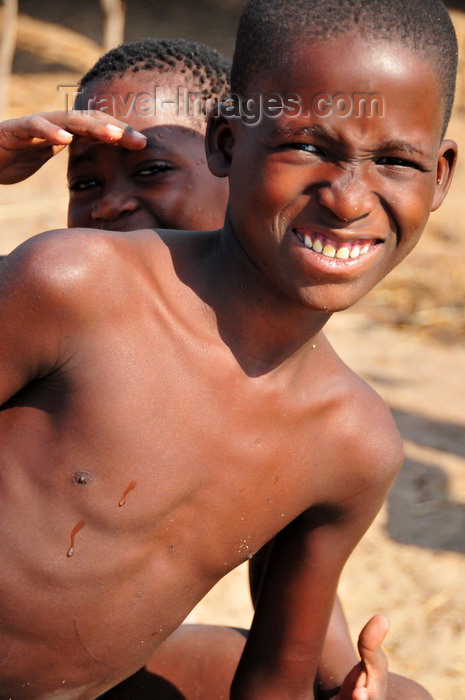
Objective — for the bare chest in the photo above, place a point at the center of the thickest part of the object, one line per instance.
(176, 436)
(147, 470)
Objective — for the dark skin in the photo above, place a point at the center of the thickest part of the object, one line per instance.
(123, 189)
(26, 143)
(158, 179)
(165, 185)
(106, 621)
(142, 310)
(140, 184)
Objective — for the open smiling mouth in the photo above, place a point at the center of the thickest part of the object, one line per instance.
(330, 248)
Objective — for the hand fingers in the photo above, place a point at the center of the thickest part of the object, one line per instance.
(360, 694)
(58, 128)
(356, 678)
(368, 679)
(32, 130)
(362, 680)
(101, 126)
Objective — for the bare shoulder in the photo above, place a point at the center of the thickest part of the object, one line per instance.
(368, 449)
(373, 432)
(74, 266)
(58, 292)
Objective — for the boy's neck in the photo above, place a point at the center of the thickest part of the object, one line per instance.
(261, 325)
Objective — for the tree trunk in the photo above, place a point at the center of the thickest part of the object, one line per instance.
(113, 31)
(7, 50)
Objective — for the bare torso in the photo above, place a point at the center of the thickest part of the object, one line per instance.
(136, 474)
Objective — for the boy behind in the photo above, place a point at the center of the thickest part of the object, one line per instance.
(159, 314)
(150, 97)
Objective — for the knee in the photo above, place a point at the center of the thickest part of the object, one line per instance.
(400, 687)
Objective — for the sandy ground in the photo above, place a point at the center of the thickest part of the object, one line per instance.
(406, 340)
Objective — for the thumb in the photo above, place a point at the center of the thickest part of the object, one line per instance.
(373, 658)
(371, 637)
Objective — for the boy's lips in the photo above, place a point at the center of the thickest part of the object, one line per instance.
(345, 250)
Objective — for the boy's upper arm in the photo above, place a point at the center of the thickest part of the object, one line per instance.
(38, 296)
(300, 583)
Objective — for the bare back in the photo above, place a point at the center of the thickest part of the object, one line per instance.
(139, 462)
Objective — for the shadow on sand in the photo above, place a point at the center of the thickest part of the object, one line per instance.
(420, 508)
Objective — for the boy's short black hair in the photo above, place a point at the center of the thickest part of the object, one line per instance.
(207, 69)
(269, 27)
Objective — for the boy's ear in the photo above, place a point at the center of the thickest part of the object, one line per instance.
(219, 143)
(447, 159)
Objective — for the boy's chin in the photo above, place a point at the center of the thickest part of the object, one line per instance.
(331, 303)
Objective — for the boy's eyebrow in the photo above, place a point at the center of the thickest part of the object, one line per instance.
(156, 143)
(311, 130)
(74, 159)
(399, 145)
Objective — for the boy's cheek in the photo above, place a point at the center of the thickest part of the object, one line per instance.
(79, 215)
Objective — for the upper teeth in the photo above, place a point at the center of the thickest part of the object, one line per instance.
(333, 249)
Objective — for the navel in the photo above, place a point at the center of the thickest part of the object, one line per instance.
(130, 487)
(74, 532)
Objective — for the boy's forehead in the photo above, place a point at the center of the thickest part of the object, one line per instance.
(351, 68)
(347, 58)
(149, 98)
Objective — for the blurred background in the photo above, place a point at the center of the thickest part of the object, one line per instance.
(406, 338)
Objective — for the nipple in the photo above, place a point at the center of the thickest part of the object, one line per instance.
(74, 532)
(82, 477)
(130, 487)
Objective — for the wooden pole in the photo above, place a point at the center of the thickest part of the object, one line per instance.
(7, 51)
(113, 29)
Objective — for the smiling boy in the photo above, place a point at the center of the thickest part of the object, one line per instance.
(129, 187)
(171, 398)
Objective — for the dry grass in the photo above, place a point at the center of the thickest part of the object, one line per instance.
(426, 293)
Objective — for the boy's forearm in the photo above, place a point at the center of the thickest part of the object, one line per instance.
(339, 654)
(296, 597)
(290, 679)
(267, 689)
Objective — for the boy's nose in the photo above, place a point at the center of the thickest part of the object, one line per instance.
(114, 205)
(347, 196)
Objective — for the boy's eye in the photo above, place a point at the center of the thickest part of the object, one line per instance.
(83, 183)
(306, 147)
(398, 162)
(147, 170)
